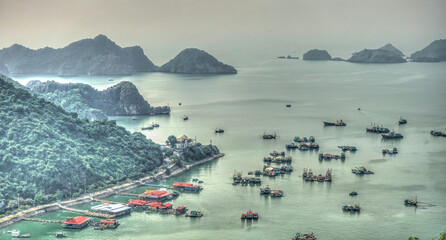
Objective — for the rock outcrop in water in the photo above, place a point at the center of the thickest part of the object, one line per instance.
(338, 59)
(385, 54)
(192, 60)
(98, 56)
(121, 99)
(317, 54)
(435, 52)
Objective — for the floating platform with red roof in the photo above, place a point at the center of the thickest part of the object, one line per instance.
(76, 222)
(186, 187)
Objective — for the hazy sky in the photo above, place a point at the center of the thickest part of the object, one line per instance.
(234, 31)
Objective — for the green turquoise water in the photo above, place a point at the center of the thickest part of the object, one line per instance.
(252, 102)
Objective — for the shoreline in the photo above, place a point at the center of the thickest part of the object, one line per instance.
(28, 213)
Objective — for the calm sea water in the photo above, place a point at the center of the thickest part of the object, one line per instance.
(252, 102)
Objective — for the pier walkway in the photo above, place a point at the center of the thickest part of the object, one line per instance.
(41, 220)
(87, 213)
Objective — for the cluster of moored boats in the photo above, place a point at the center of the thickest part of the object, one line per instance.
(308, 176)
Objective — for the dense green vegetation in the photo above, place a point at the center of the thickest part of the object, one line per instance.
(194, 153)
(47, 153)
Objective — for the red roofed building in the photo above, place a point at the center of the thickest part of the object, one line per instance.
(76, 222)
(137, 203)
(187, 187)
(156, 195)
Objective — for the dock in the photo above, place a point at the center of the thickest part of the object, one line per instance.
(87, 213)
(42, 220)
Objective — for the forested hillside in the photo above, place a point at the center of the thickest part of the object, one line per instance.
(47, 153)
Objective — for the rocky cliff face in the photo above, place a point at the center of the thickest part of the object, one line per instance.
(98, 56)
(386, 54)
(389, 47)
(197, 61)
(435, 52)
(317, 54)
(120, 99)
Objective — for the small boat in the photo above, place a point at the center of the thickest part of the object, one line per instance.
(111, 80)
(60, 235)
(200, 181)
(179, 104)
(402, 121)
(348, 148)
(303, 236)
(288, 105)
(16, 234)
(134, 118)
(250, 215)
(293, 145)
(107, 224)
(275, 154)
(390, 151)
(392, 135)
(438, 134)
(359, 109)
(351, 208)
(185, 118)
(337, 123)
(155, 125)
(195, 180)
(269, 136)
(219, 130)
(276, 193)
(409, 202)
(194, 213)
(150, 127)
(361, 170)
(353, 193)
(265, 191)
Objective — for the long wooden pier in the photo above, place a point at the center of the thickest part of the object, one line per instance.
(87, 213)
(42, 220)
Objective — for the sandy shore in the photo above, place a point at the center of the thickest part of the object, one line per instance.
(28, 213)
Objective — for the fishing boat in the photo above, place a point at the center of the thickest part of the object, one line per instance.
(392, 135)
(219, 130)
(390, 151)
(377, 129)
(351, 208)
(269, 136)
(303, 236)
(194, 214)
(353, 193)
(337, 123)
(60, 235)
(409, 202)
(250, 215)
(185, 118)
(402, 121)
